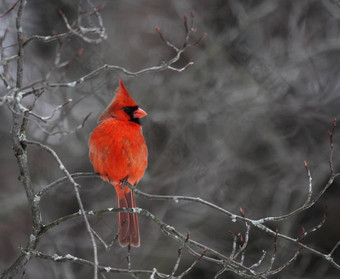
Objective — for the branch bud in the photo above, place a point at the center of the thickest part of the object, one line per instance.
(187, 238)
(242, 212)
(80, 52)
(186, 23)
(306, 167)
(240, 238)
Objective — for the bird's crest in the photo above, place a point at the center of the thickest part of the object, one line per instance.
(121, 99)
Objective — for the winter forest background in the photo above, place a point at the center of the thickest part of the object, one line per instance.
(233, 129)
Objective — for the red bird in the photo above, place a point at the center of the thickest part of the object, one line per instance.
(119, 154)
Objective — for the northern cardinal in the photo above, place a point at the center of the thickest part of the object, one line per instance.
(118, 152)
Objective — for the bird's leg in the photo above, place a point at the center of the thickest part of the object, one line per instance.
(123, 182)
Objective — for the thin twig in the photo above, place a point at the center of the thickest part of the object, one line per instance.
(244, 242)
(7, 60)
(69, 258)
(272, 259)
(310, 185)
(62, 180)
(191, 267)
(179, 256)
(47, 39)
(334, 248)
(10, 9)
(331, 133)
(106, 246)
(315, 228)
(72, 84)
(289, 262)
(220, 272)
(259, 262)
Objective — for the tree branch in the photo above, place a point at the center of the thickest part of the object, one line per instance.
(76, 186)
(165, 65)
(73, 259)
(256, 223)
(18, 135)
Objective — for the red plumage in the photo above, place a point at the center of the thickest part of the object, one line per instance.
(118, 152)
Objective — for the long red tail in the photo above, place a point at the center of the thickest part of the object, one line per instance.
(127, 222)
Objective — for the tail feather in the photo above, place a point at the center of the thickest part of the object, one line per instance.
(127, 222)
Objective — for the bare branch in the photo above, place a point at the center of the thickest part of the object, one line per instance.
(310, 202)
(254, 223)
(64, 132)
(82, 31)
(107, 246)
(19, 134)
(76, 186)
(3, 99)
(331, 133)
(272, 260)
(62, 180)
(44, 118)
(191, 267)
(162, 67)
(233, 251)
(244, 244)
(310, 185)
(158, 30)
(165, 228)
(69, 258)
(290, 261)
(6, 60)
(10, 9)
(168, 65)
(334, 248)
(220, 272)
(47, 39)
(315, 228)
(179, 255)
(257, 264)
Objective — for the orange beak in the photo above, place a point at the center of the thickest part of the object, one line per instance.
(139, 113)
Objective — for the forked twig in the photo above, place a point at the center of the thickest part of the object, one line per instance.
(179, 255)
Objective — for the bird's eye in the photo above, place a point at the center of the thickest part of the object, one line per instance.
(130, 110)
(127, 109)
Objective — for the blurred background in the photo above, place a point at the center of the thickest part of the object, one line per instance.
(234, 129)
